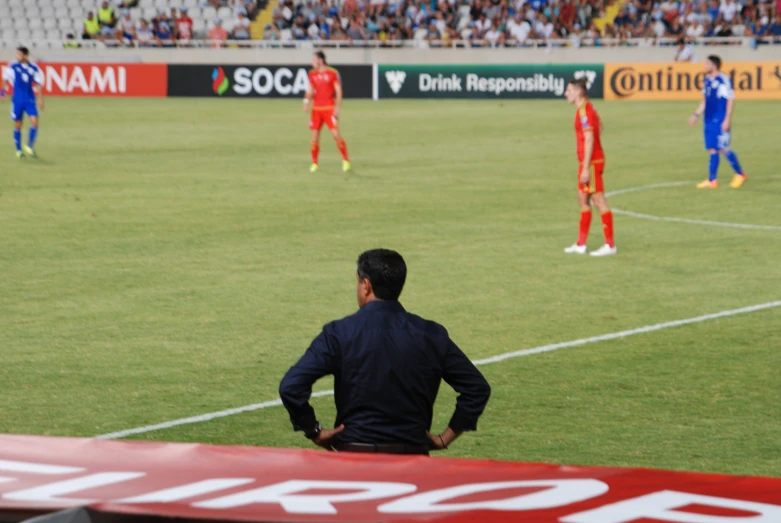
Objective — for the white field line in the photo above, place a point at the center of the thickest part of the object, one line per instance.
(655, 218)
(486, 361)
(697, 222)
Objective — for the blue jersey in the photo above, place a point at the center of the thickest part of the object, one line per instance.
(717, 92)
(23, 78)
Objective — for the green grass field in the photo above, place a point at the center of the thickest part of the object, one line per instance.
(168, 258)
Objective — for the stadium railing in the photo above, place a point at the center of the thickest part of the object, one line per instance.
(406, 44)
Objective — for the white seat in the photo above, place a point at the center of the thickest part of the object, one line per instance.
(47, 12)
(161, 4)
(6, 22)
(191, 3)
(57, 3)
(75, 3)
(135, 13)
(62, 12)
(20, 24)
(53, 34)
(32, 11)
(18, 12)
(38, 35)
(464, 10)
(77, 24)
(16, 3)
(50, 23)
(9, 35)
(78, 12)
(286, 35)
(149, 13)
(199, 26)
(64, 24)
(23, 36)
(226, 13)
(209, 13)
(36, 23)
(146, 3)
(195, 12)
(420, 34)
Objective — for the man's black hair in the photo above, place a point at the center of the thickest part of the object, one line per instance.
(386, 271)
(321, 56)
(715, 60)
(24, 50)
(681, 41)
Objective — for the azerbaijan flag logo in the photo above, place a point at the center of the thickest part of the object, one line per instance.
(220, 83)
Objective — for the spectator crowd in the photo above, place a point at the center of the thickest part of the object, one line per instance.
(522, 22)
(476, 23)
(168, 28)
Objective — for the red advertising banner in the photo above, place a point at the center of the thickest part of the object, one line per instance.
(275, 485)
(100, 79)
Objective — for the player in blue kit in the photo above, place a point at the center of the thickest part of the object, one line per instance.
(25, 78)
(717, 104)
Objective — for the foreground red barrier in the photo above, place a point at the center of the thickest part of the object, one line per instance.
(274, 485)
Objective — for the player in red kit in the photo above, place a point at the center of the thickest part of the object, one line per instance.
(591, 159)
(325, 93)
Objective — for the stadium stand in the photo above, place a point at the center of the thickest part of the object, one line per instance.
(464, 23)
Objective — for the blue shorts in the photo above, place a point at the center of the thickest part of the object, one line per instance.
(715, 138)
(18, 109)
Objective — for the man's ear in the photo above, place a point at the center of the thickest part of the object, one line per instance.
(367, 286)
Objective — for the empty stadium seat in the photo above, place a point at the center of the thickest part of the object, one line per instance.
(226, 13)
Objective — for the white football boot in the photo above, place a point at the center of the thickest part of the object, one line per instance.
(605, 250)
(575, 249)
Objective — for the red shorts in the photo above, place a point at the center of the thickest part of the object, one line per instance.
(320, 117)
(595, 183)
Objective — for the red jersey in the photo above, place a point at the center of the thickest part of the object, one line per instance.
(587, 121)
(324, 85)
(185, 27)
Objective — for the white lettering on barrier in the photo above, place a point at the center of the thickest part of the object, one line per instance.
(49, 493)
(558, 493)
(263, 81)
(660, 506)
(69, 79)
(37, 468)
(278, 85)
(287, 495)
(190, 490)
(663, 506)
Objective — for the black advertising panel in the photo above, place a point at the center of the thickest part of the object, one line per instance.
(272, 81)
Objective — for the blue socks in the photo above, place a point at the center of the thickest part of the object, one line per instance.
(18, 139)
(732, 158)
(33, 134)
(713, 166)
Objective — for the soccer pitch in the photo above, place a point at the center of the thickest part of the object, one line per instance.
(169, 258)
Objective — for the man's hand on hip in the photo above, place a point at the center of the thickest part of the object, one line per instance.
(326, 435)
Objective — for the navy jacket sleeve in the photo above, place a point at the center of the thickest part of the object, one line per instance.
(296, 387)
(473, 389)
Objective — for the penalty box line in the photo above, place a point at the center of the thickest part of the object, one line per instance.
(486, 361)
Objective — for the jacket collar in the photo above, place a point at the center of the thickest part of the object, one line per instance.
(384, 305)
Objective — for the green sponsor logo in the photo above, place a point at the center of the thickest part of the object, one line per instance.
(484, 81)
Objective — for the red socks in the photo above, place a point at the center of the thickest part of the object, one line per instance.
(340, 143)
(607, 223)
(585, 223)
(314, 148)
